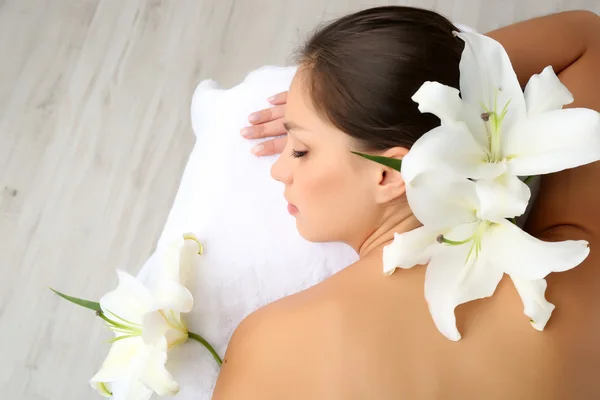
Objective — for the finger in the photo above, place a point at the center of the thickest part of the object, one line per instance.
(279, 98)
(269, 114)
(270, 147)
(268, 129)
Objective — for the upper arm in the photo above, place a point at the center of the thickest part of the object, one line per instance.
(277, 351)
(260, 354)
(246, 362)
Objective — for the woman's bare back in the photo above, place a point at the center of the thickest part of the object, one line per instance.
(376, 340)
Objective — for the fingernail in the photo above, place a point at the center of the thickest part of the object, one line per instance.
(257, 149)
(253, 118)
(272, 98)
(247, 131)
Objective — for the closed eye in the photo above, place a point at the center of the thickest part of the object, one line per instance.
(298, 154)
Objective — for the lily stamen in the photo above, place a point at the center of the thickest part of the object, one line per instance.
(191, 236)
(131, 329)
(442, 239)
(494, 134)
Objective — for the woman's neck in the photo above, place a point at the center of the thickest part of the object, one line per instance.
(398, 222)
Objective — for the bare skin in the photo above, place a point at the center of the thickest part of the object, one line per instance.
(362, 335)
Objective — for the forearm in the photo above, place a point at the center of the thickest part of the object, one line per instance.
(558, 40)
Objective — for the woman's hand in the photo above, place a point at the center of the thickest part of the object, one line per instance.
(268, 123)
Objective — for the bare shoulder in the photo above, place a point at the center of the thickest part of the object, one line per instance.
(268, 354)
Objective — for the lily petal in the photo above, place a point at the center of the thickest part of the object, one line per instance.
(178, 336)
(441, 199)
(450, 281)
(130, 390)
(189, 259)
(504, 197)
(170, 270)
(165, 324)
(537, 308)
(449, 147)
(487, 77)
(155, 326)
(470, 114)
(545, 92)
(171, 295)
(130, 300)
(553, 141)
(523, 256)
(155, 376)
(409, 249)
(122, 355)
(445, 103)
(441, 100)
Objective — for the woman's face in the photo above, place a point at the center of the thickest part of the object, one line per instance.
(329, 188)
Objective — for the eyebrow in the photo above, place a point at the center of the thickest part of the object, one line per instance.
(289, 125)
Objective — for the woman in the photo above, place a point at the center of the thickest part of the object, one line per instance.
(360, 334)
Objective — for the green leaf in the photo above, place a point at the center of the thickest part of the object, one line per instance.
(393, 163)
(80, 302)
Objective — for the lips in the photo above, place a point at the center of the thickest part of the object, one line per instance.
(292, 209)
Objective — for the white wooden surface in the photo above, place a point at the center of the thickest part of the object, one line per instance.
(94, 135)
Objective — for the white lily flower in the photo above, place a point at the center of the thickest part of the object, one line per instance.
(468, 255)
(146, 320)
(494, 132)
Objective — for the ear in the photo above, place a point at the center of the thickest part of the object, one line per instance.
(391, 185)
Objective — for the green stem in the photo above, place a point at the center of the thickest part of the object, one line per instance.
(203, 341)
(110, 321)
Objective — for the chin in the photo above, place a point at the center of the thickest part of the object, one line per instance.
(313, 235)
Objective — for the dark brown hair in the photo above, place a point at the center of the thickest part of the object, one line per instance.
(363, 69)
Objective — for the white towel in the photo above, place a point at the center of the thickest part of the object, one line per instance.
(253, 253)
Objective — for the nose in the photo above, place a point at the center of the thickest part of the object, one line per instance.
(281, 171)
